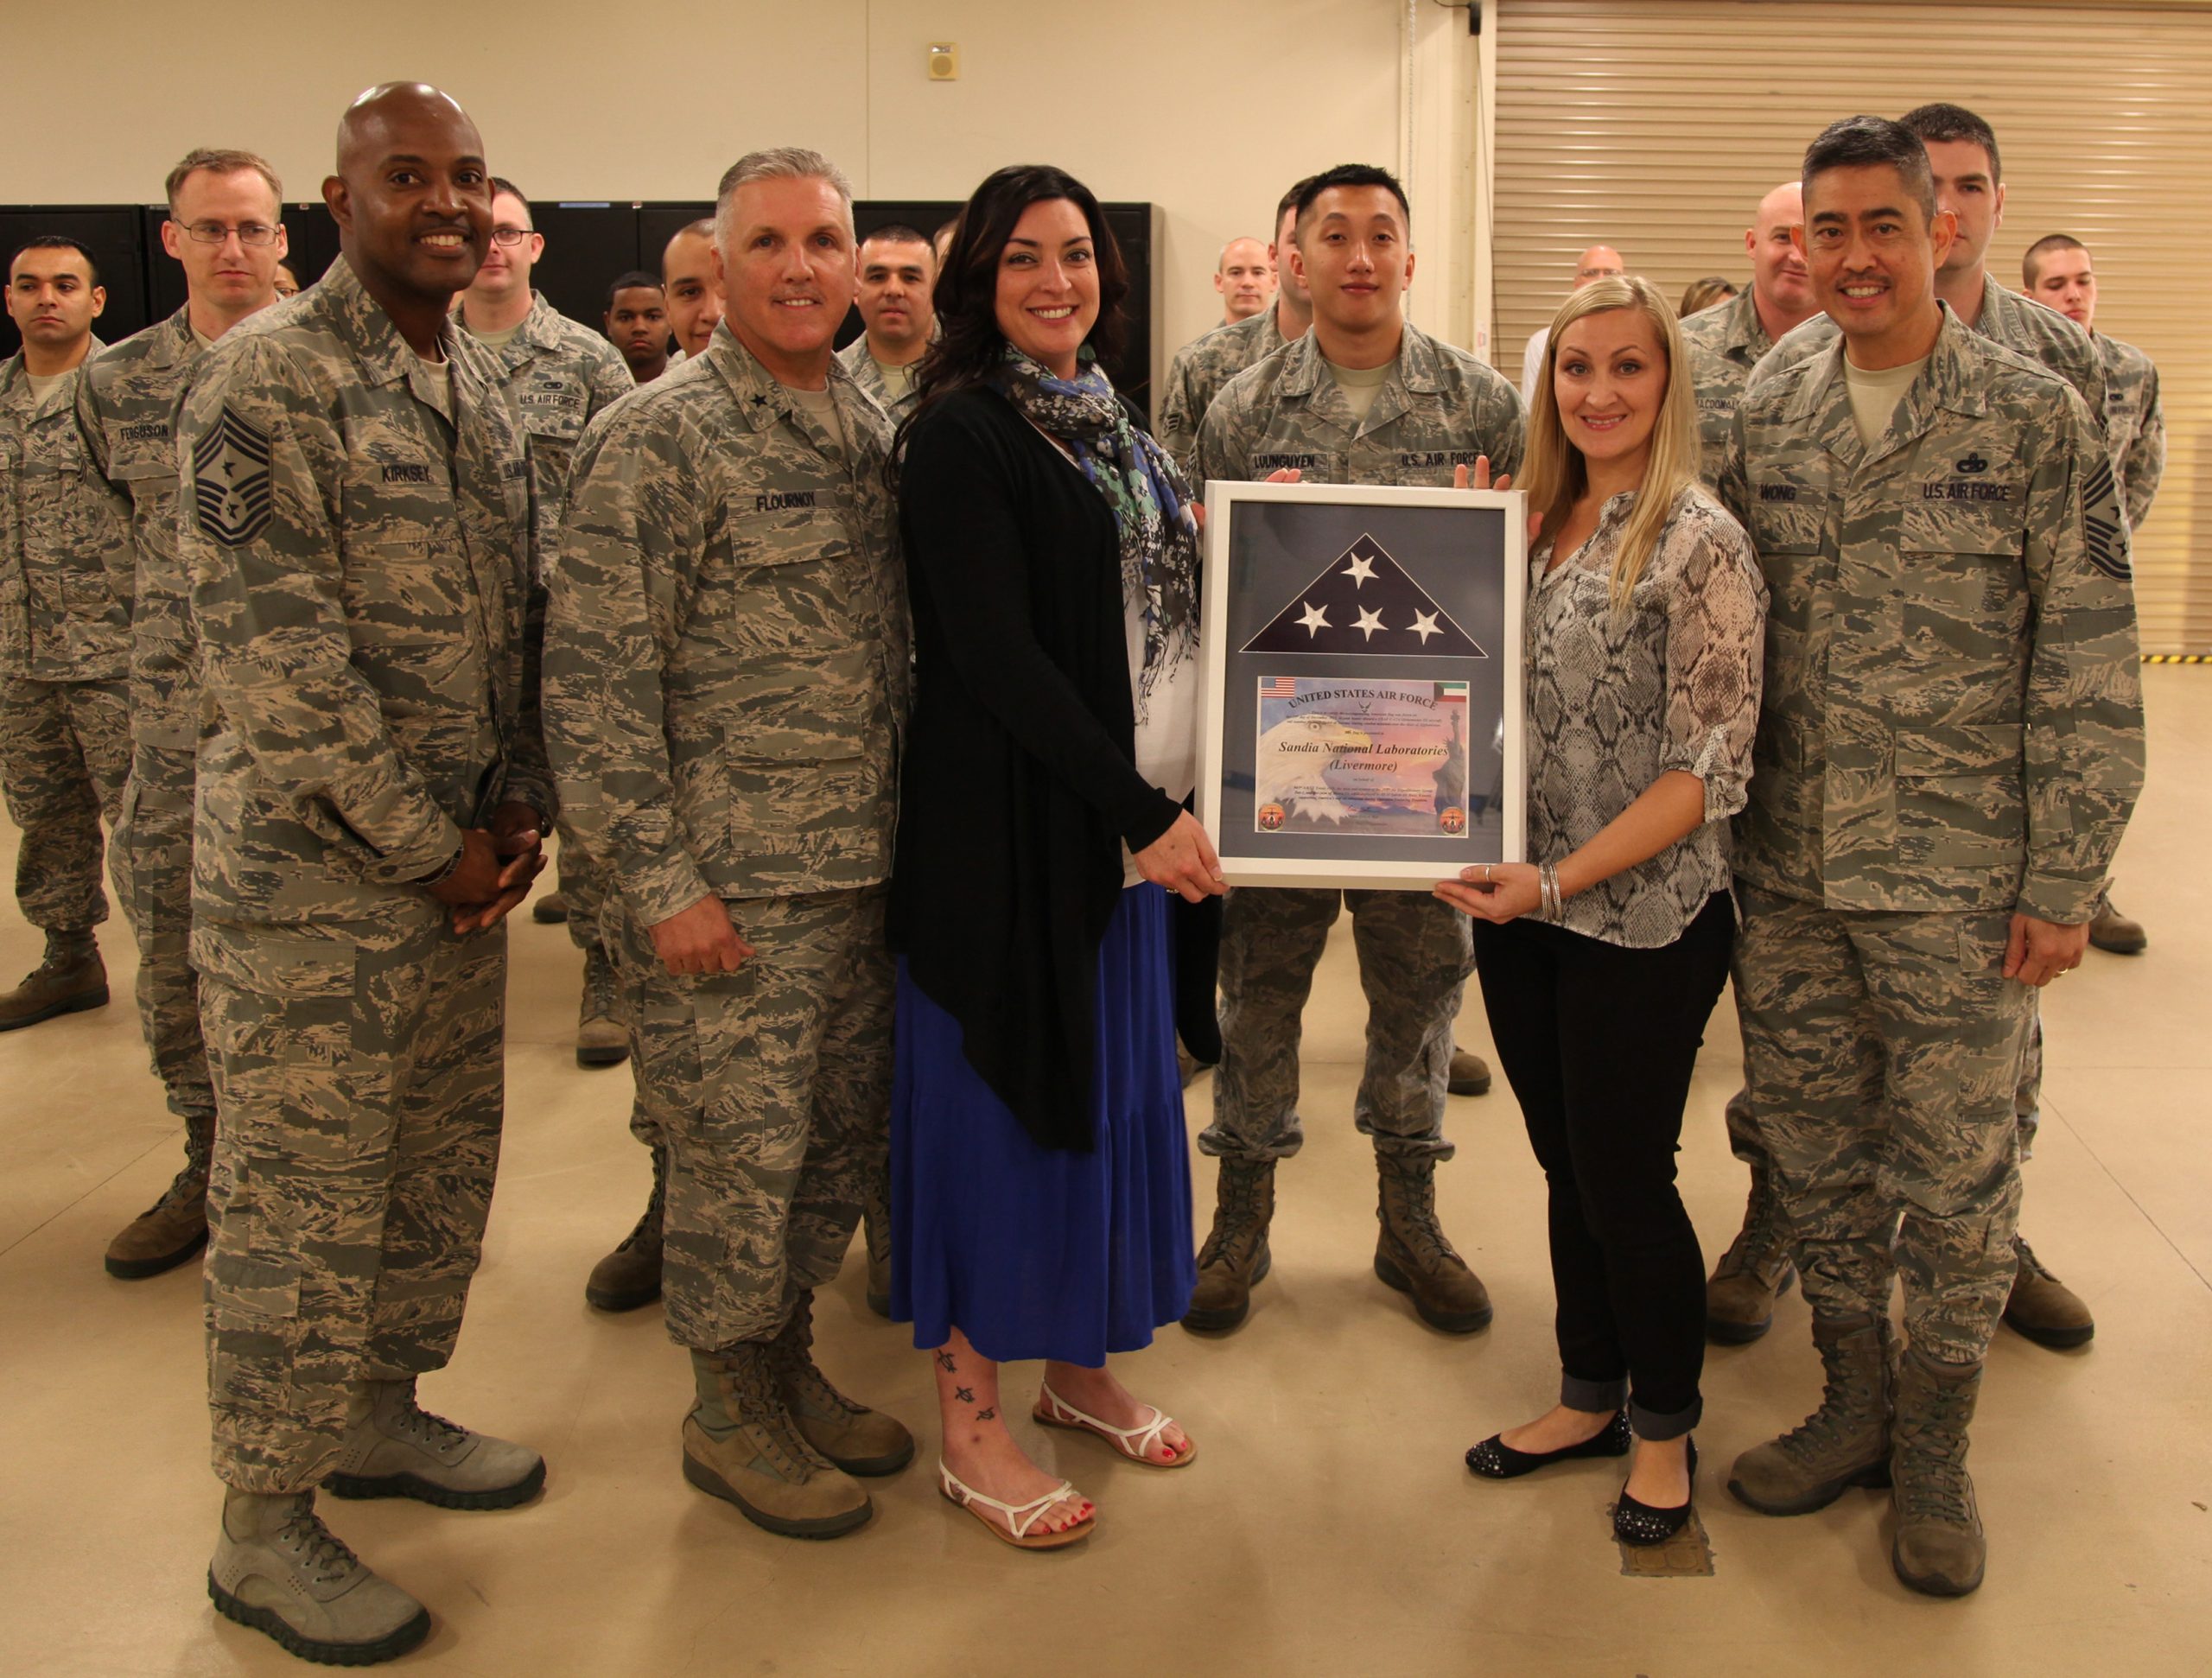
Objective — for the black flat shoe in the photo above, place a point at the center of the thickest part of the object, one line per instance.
(1642, 1526)
(1494, 1459)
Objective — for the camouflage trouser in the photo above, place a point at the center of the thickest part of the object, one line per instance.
(1415, 956)
(154, 837)
(1881, 1051)
(771, 1087)
(583, 884)
(360, 1089)
(65, 751)
(2027, 1099)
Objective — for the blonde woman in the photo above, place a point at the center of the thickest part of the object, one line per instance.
(1601, 960)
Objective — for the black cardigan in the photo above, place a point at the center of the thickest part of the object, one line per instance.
(1019, 777)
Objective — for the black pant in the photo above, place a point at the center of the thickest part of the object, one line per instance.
(1598, 1042)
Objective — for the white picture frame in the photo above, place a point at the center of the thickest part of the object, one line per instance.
(1440, 561)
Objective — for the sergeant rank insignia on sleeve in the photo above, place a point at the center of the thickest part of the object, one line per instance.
(230, 480)
(2102, 526)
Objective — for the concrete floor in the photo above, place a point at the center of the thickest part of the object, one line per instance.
(1329, 1527)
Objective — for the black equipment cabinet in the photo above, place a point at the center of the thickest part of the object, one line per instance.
(586, 244)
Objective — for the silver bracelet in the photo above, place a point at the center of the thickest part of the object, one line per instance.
(1552, 906)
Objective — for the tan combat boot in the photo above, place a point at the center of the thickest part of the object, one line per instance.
(876, 1232)
(71, 979)
(1412, 1256)
(395, 1448)
(1844, 1443)
(2043, 1308)
(740, 1444)
(856, 1439)
(1235, 1256)
(548, 909)
(1939, 1548)
(278, 1569)
(1469, 1074)
(629, 1277)
(174, 1227)
(601, 1038)
(1754, 1272)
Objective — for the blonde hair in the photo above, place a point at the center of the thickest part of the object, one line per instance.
(1552, 471)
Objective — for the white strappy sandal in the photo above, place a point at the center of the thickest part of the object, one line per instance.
(1053, 1411)
(1014, 1529)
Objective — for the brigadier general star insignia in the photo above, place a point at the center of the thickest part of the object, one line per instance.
(230, 480)
(1364, 602)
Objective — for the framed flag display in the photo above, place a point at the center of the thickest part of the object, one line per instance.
(1360, 651)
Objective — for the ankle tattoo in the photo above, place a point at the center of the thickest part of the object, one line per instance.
(986, 1413)
(944, 1362)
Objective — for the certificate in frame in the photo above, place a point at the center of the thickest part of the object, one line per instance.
(1360, 662)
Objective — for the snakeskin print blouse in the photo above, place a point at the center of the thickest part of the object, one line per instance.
(1615, 700)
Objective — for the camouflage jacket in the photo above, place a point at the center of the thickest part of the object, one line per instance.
(357, 531)
(1198, 374)
(1441, 408)
(128, 406)
(1725, 342)
(868, 375)
(1951, 716)
(2007, 318)
(555, 375)
(2135, 426)
(64, 541)
(726, 644)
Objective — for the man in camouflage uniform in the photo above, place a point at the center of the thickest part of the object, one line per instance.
(225, 228)
(371, 798)
(556, 374)
(1203, 367)
(692, 288)
(897, 269)
(2057, 272)
(727, 673)
(1364, 397)
(65, 632)
(1950, 743)
(1968, 177)
(1727, 340)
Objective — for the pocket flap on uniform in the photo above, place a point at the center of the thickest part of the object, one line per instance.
(1960, 748)
(242, 1285)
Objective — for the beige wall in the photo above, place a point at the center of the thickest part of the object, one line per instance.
(1207, 109)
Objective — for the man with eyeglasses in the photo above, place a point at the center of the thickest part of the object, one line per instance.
(224, 227)
(556, 374)
(65, 633)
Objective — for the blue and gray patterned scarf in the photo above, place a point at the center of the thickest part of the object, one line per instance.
(1150, 502)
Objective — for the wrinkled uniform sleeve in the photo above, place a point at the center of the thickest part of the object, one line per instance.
(1504, 427)
(270, 615)
(1730, 484)
(1716, 642)
(632, 542)
(2084, 704)
(1178, 431)
(2147, 456)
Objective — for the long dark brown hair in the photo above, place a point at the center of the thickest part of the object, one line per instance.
(968, 343)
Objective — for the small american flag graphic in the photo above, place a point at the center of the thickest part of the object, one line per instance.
(1279, 686)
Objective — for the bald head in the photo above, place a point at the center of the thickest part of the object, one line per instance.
(412, 199)
(1245, 278)
(377, 123)
(1782, 290)
(1599, 261)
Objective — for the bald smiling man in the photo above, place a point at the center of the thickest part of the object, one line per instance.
(1599, 261)
(372, 796)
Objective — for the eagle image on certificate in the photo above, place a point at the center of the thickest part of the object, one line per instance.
(1381, 757)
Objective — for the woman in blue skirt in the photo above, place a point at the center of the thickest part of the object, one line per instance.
(1041, 1187)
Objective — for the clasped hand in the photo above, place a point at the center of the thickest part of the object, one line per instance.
(497, 868)
(700, 939)
(1182, 859)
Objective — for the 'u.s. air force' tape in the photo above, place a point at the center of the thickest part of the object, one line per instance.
(230, 480)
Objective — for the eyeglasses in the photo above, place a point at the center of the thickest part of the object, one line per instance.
(511, 235)
(252, 233)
